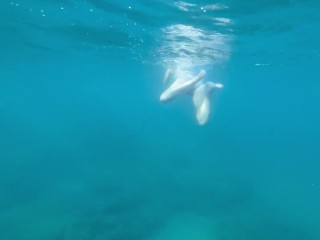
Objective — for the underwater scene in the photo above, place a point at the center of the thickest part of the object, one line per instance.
(159, 120)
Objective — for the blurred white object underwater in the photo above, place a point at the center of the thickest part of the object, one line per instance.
(201, 100)
(184, 83)
(180, 85)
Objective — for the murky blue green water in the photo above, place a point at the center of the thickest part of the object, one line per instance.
(88, 152)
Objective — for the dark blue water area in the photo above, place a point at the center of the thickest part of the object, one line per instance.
(87, 151)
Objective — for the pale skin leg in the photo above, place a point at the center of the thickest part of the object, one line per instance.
(181, 86)
(167, 75)
(201, 100)
(203, 112)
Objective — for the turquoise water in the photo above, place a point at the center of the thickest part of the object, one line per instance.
(87, 151)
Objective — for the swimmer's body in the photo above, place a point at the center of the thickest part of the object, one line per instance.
(186, 83)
